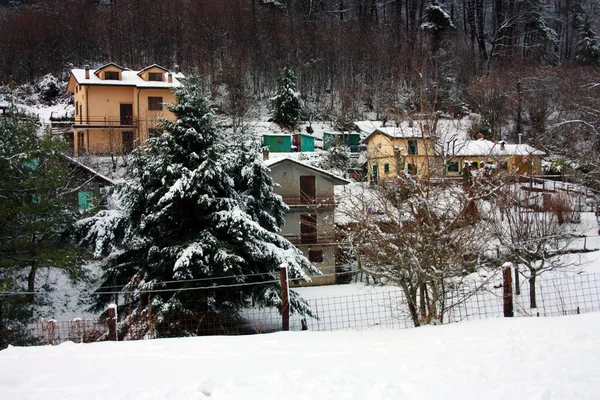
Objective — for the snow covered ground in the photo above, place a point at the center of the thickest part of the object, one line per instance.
(524, 358)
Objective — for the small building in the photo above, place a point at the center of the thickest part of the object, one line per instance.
(394, 150)
(350, 139)
(277, 143)
(501, 157)
(304, 142)
(91, 186)
(117, 109)
(309, 222)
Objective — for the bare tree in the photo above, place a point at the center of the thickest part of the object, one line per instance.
(424, 238)
(534, 239)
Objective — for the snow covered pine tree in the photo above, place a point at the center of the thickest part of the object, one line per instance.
(200, 213)
(285, 105)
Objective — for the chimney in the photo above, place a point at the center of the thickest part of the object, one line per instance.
(87, 72)
(170, 77)
(480, 136)
(502, 143)
(265, 153)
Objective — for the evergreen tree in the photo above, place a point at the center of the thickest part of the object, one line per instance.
(436, 20)
(201, 212)
(285, 105)
(34, 221)
(588, 49)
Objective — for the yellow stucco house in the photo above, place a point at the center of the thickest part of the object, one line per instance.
(116, 108)
(395, 150)
(501, 158)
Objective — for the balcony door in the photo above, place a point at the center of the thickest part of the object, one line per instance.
(308, 228)
(307, 188)
(126, 114)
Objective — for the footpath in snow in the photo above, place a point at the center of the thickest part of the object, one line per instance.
(525, 358)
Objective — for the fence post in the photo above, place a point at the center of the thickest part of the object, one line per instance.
(285, 303)
(508, 296)
(112, 322)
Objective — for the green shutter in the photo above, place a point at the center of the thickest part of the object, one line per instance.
(85, 201)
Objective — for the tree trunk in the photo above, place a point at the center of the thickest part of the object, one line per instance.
(517, 281)
(411, 299)
(480, 28)
(532, 299)
(31, 282)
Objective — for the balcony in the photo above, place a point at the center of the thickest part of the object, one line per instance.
(312, 239)
(309, 201)
(91, 122)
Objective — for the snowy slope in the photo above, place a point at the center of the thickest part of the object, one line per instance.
(526, 358)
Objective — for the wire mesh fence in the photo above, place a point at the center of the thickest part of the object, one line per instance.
(380, 307)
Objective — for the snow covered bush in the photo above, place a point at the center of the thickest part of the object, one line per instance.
(197, 230)
(48, 88)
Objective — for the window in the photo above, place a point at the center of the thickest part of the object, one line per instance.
(155, 103)
(412, 148)
(453, 166)
(503, 165)
(412, 169)
(474, 165)
(76, 107)
(386, 168)
(315, 256)
(155, 76)
(153, 132)
(85, 201)
(111, 76)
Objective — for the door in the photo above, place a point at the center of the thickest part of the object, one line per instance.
(307, 188)
(127, 142)
(308, 228)
(126, 114)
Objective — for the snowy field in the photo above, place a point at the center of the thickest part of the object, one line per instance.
(524, 358)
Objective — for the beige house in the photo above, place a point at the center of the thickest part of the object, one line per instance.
(116, 108)
(309, 222)
(393, 150)
(501, 158)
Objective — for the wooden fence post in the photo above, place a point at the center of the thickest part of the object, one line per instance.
(112, 322)
(508, 296)
(285, 302)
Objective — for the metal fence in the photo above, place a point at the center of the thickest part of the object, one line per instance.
(377, 307)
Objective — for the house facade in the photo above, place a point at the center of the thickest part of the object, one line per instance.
(309, 222)
(392, 151)
(499, 158)
(116, 108)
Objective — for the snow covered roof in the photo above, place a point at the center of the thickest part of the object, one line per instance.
(128, 78)
(339, 179)
(88, 169)
(483, 147)
(445, 129)
(152, 66)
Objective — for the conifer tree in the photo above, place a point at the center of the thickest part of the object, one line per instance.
(34, 221)
(285, 105)
(200, 213)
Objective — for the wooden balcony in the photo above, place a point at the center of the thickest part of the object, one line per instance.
(312, 239)
(91, 122)
(309, 201)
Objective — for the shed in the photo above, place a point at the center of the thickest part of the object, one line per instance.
(304, 142)
(350, 139)
(278, 143)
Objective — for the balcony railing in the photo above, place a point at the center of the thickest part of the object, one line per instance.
(312, 238)
(314, 201)
(105, 122)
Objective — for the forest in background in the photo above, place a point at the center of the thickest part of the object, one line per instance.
(525, 66)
